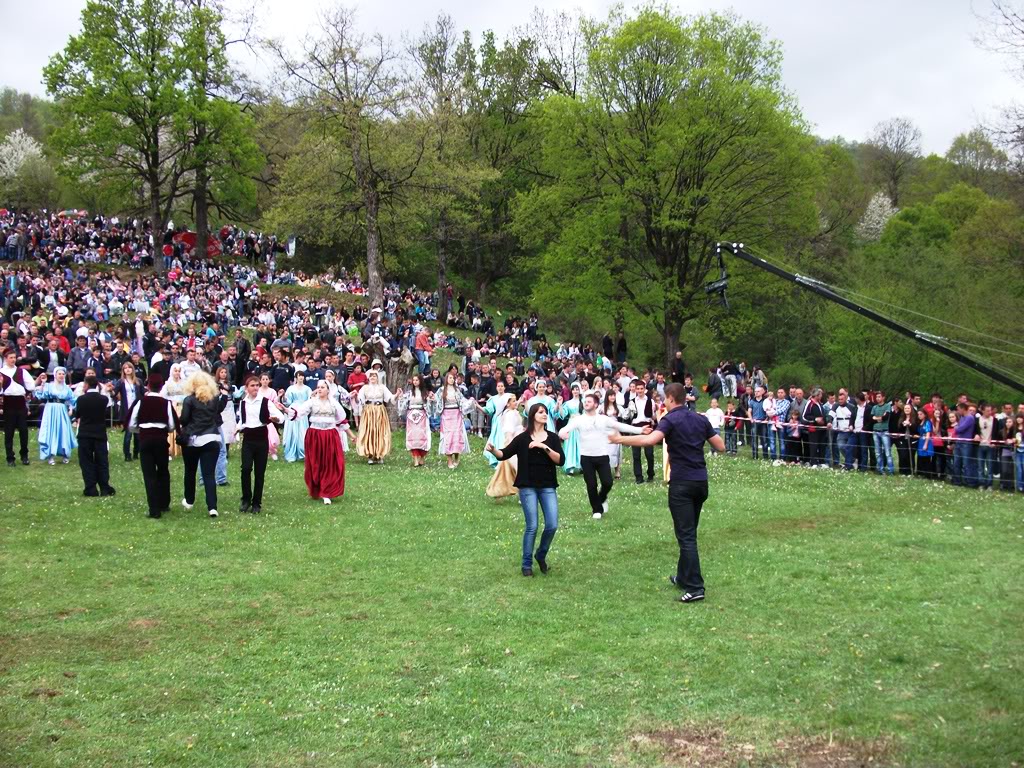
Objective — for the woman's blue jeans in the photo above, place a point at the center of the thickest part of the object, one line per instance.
(548, 500)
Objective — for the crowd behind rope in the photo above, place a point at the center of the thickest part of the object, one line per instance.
(63, 310)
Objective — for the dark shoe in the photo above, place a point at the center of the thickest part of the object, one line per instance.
(674, 581)
(527, 571)
(691, 597)
(92, 492)
(155, 515)
(543, 564)
(127, 458)
(640, 481)
(221, 485)
(245, 507)
(10, 463)
(109, 491)
(25, 462)
(256, 509)
(650, 478)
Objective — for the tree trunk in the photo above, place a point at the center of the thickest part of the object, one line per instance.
(156, 216)
(672, 327)
(442, 267)
(375, 285)
(201, 204)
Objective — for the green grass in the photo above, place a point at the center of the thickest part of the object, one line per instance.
(393, 628)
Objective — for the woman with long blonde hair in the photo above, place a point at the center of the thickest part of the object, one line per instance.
(201, 425)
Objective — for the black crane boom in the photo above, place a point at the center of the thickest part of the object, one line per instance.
(929, 340)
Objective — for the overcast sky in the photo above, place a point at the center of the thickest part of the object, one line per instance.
(849, 64)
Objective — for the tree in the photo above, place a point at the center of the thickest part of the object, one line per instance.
(681, 136)
(358, 93)
(223, 155)
(893, 150)
(450, 179)
(977, 159)
(120, 106)
(17, 149)
(875, 217)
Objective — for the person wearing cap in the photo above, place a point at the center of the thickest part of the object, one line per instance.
(153, 417)
(16, 387)
(90, 412)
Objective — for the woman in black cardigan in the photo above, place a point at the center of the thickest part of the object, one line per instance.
(201, 422)
(539, 452)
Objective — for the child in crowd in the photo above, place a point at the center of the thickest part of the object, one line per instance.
(730, 428)
(793, 438)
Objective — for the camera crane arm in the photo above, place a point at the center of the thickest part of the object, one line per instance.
(929, 340)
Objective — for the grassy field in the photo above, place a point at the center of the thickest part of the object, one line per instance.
(849, 620)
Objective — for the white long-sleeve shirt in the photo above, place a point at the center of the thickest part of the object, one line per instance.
(21, 383)
(594, 431)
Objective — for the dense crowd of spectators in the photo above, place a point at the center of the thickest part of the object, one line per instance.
(62, 308)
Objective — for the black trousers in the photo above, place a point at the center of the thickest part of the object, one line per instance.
(648, 451)
(153, 459)
(904, 455)
(204, 458)
(92, 459)
(685, 499)
(593, 467)
(131, 444)
(254, 457)
(816, 442)
(16, 421)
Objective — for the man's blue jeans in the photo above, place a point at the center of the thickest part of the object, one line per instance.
(548, 500)
(424, 361)
(963, 464)
(883, 453)
(844, 444)
(985, 465)
(759, 439)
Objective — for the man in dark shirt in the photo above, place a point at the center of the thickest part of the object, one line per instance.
(684, 432)
(91, 413)
(282, 372)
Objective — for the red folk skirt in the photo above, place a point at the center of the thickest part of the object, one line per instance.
(325, 464)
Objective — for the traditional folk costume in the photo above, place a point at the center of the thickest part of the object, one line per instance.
(415, 409)
(571, 446)
(254, 424)
(154, 418)
(612, 410)
(273, 437)
(295, 429)
(495, 407)
(15, 386)
(374, 426)
(56, 435)
(509, 424)
(454, 440)
(174, 390)
(325, 459)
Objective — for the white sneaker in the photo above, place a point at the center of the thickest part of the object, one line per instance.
(326, 500)
(597, 515)
(604, 506)
(273, 456)
(52, 462)
(186, 505)
(213, 513)
(65, 460)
